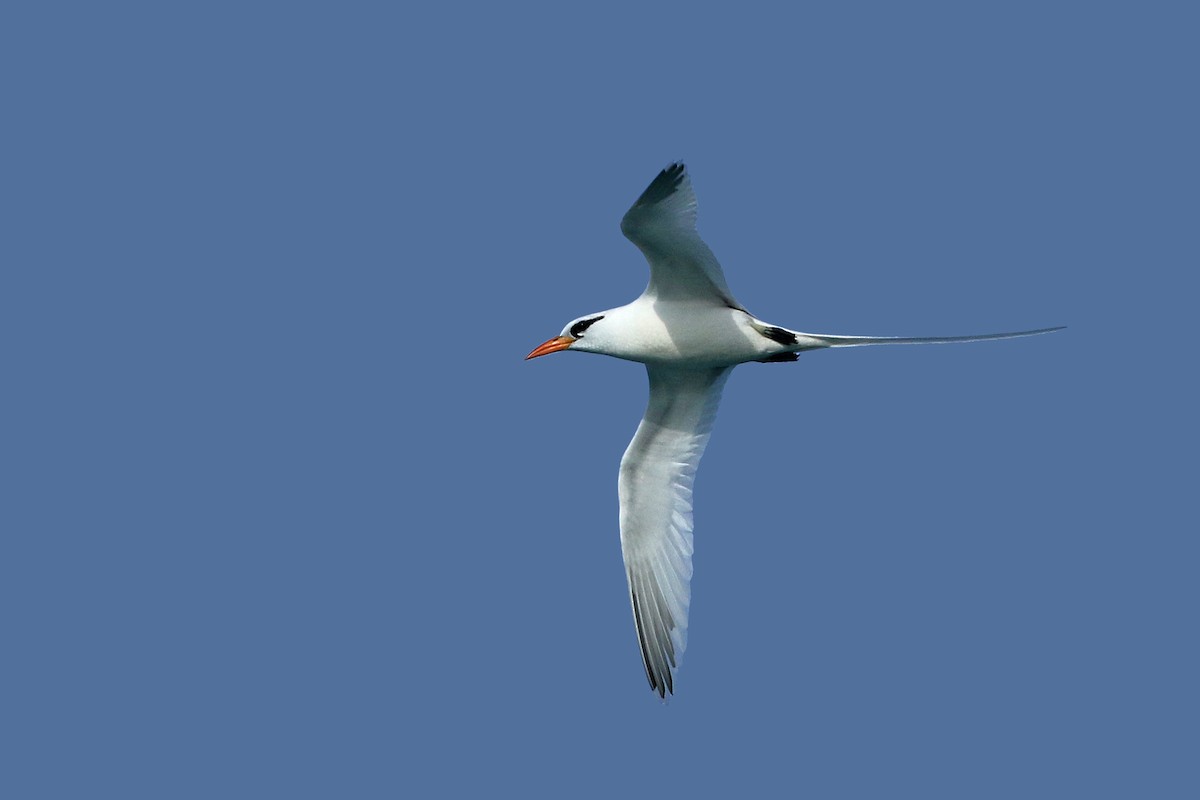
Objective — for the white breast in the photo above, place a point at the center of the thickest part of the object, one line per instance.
(688, 335)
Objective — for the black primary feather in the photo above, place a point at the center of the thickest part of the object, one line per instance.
(663, 186)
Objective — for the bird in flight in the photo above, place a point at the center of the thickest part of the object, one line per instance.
(690, 332)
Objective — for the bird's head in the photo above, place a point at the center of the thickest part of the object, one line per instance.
(577, 335)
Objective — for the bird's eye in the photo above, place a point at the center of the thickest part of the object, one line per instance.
(579, 327)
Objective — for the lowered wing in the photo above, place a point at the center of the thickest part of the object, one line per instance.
(655, 489)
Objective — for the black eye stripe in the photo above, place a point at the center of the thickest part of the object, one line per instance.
(579, 327)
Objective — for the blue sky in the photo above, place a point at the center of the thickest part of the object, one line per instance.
(286, 514)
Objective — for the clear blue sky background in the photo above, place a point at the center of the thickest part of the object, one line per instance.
(285, 514)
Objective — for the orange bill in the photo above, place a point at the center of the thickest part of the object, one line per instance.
(551, 346)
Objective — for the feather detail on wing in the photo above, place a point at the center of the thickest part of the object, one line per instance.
(662, 223)
(655, 489)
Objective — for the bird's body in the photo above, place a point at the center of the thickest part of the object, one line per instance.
(690, 332)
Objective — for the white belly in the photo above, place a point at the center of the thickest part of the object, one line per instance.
(690, 335)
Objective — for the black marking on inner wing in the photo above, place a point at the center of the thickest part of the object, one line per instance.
(778, 357)
(579, 327)
(779, 335)
(663, 186)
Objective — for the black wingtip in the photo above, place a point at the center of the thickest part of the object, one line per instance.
(664, 185)
(660, 685)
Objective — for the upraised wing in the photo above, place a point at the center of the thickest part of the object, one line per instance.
(662, 223)
(655, 489)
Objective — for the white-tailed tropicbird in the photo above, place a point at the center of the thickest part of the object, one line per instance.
(690, 332)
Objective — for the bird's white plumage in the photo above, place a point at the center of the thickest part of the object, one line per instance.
(655, 489)
(690, 332)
